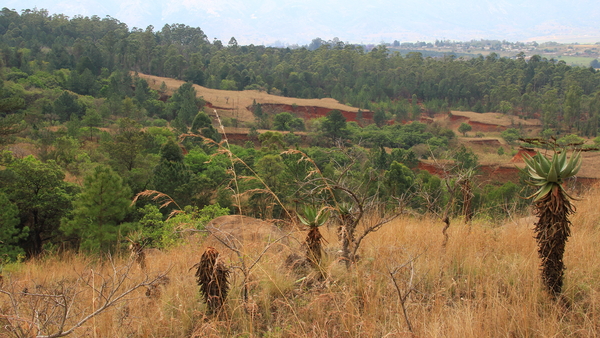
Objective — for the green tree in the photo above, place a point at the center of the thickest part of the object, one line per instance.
(172, 176)
(379, 117)
(171, 152)
(292, 139)
(10, 233)
(399, 179)
(334, 125)
(67, 106)
(550, 108)
(183, 104)
(382, 160)
(151, 225)
(271, 140)
(9, 126)
(464, 128)
(296, 124)
(282, 121)
(202, 125)
(66, 150)
(99, 211)
(465, 159)
(429, 192)
(270, 168)
(505, 107)
(91, 120)
(572, 105)
(511, 135)
(42, 197)
(570, 140)
(406, 157)
(125, 148)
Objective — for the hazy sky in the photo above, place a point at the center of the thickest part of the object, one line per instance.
(300, 21)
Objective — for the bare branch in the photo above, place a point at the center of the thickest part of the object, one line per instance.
(52, 311)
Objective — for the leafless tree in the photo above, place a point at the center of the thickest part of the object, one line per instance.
(59, 310)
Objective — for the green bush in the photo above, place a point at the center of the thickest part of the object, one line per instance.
(157, 233)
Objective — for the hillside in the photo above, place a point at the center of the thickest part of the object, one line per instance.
(237, 104)
(93, 161)
(485, 282)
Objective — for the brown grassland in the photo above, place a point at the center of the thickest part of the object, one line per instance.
(234, 104)
(484, 283)
(497, 119)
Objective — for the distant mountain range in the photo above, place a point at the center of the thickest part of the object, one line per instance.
(299, 21)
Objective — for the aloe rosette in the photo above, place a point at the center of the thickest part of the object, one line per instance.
(546, 174)
(314, 218)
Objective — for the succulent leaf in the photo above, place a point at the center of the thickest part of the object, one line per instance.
(552, 174)
(544, 161)
(313, 217)
(547, 173)
(544, 190)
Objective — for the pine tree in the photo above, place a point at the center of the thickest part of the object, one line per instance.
(10, 234)
(99, 211)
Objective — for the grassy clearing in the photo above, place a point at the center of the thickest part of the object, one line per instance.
(484, 283)
(583, 61)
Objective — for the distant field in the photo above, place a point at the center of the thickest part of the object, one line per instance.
(575, 60)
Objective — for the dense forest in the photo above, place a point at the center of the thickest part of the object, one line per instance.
(100, 135)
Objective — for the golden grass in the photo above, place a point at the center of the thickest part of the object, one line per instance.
(485, 283)
(234, 104)
(497, 119)
(591, 163)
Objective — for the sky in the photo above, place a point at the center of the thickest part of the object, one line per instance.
(288, 22)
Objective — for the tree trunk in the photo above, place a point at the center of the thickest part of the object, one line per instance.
(552, 232)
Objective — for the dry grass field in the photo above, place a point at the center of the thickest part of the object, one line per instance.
(497, 119)
(234, 104)
(484, 283)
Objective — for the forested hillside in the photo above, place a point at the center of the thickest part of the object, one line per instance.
(82, 134)
(136, 200)
(561, 95)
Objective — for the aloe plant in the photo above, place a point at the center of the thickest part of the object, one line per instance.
(553, 207)
(213, 278)
(314, 218)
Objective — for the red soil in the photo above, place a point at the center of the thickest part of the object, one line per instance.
(485, 127)
(498, 174)
(457, 118)
(518, 158)
(311, 112)
(431, 168)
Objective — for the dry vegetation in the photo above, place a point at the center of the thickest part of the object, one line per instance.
(235, 104)
(497, 119)
(486, 282)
